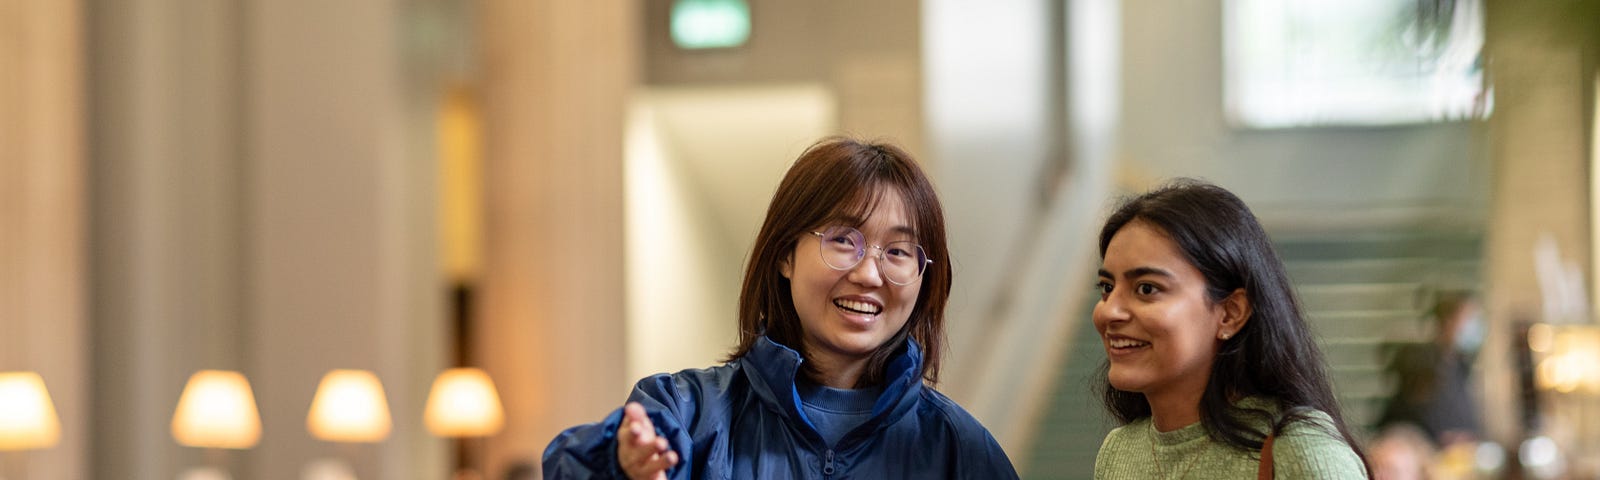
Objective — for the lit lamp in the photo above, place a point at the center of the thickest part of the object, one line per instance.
(1570, 372)
(217, 410)
(463, 404)
(349, 408)
(27, 417)
(1572, 357)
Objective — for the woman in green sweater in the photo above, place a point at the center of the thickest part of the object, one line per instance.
(1209, 358)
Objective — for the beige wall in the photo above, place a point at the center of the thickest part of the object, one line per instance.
(682, 274)
(1302, 180)
(867, 53)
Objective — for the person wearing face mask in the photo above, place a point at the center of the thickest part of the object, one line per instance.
(841, 331)
(1432, 379)
(1211, 370)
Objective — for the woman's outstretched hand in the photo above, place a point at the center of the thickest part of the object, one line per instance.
(642, 454)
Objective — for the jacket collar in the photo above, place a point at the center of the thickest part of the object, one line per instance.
(773, 369)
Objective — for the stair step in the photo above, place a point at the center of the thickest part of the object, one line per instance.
(1388, 246)
(1398, 270)
(1361, 381)
(1365, 296)
(1345, 353)
(1375, 325)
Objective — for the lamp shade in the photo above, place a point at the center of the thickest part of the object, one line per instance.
(217, 410)
(27, 418)
(1572, 360)
(464, 403)
(349, 407)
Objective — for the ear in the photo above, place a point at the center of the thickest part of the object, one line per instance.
(1236, 311)
(786, 265)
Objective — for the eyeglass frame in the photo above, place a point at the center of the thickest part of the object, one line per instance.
(921, 269)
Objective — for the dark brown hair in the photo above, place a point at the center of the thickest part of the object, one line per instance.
(1273, 356)
(836, 179)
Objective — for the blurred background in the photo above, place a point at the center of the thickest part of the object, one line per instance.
(269, 239)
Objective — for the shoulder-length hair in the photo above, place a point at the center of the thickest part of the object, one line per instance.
(834, 180)
(1273, 356)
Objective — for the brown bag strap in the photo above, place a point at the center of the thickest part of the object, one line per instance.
(1264, 472)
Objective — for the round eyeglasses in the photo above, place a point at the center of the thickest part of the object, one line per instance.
(901, 263)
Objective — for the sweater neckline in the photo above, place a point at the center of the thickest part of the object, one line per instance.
(1182, 435)
(1197, 429)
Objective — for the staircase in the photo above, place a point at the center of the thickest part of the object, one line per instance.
(1071, 429)
(1365, 294)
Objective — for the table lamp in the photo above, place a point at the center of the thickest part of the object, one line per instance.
(217, 410)
(349, 407)
(464, 404)
(27, 418)
(1569, 372)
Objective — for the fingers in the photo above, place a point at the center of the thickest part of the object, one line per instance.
(648, 461)
(634, 412)
(655, 466)
(640, 452)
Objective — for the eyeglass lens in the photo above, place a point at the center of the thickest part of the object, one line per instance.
(844, 247)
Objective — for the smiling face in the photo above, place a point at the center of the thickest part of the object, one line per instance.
(847, 314)
(1160, 328)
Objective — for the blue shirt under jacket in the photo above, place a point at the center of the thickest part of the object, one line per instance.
(744, 420)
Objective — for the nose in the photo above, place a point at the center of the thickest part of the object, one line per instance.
(867, 273)
(1109, 310)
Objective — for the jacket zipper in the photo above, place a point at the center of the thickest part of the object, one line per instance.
(827, 467)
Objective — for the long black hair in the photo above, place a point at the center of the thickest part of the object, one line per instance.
(1273, 356)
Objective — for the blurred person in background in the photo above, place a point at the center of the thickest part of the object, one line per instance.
(1211, 368)
(1432, 379)
(841, 330)
(1401, 452)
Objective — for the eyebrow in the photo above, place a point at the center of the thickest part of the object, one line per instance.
(1139, 272)
(856, 223)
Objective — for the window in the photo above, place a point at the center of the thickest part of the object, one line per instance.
(1292, 63)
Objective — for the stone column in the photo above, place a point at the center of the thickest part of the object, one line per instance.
(258, 206)
(341, 267)
(43, 325)
(556, 78)
(166, 253)
(1541, 166)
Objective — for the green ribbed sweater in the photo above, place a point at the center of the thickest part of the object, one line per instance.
(1302, 450)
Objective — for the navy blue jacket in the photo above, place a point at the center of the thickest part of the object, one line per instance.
(743, 420)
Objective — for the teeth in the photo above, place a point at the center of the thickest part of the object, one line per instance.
(1126, 343)
(858, 306)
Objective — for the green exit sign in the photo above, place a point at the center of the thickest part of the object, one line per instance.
(699, 24)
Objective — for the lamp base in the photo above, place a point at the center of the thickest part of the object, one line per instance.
(328, 469)
(204, 473)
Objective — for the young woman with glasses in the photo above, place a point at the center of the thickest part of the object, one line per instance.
(841, 327)
(1209, 358)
